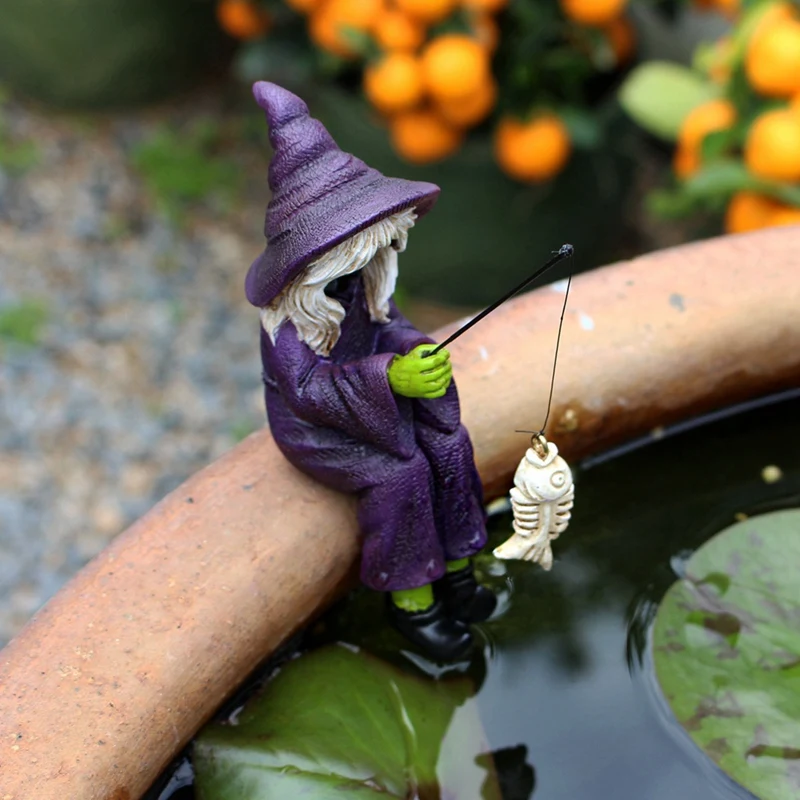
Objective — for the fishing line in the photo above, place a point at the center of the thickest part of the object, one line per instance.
(540, 432)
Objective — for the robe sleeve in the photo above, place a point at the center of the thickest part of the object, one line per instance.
(354, 398)
(400, 336)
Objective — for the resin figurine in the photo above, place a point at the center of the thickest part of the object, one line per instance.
(352, 399)
(541, 499)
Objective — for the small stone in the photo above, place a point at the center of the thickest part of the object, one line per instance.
(771, 474)
(137, 479)
(107, 517)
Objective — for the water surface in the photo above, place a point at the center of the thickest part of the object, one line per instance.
(564, 667)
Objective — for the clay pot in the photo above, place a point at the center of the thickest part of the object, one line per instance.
(117, 672)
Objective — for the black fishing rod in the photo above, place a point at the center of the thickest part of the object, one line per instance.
(565, 251)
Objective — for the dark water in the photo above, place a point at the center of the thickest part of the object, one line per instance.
(565, 669)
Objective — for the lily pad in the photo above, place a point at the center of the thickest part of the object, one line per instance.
(341, 723)
(727, 652)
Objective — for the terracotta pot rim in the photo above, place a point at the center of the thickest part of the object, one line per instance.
(126, 662)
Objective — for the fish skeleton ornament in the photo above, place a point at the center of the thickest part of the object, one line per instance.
(541, 499)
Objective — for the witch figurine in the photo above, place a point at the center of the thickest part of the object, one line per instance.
(354, 398)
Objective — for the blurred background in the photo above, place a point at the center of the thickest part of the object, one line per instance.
(133, 167)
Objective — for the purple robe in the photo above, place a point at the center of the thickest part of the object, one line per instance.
(410, 461)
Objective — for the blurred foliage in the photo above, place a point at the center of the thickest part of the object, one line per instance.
(183, 166)
(105, 53)
(735, 118)
(543, 58)
(22, 323)
(559, 60)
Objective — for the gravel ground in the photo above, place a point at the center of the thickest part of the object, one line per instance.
(144, 364)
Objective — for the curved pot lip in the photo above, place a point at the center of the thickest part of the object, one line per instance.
(126, 662)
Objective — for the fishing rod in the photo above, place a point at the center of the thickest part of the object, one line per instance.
(565, 251)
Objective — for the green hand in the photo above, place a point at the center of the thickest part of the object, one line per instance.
(413, 375)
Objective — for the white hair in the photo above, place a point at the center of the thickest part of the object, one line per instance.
(318, 317)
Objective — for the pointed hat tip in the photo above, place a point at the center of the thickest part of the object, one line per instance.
(280, 104)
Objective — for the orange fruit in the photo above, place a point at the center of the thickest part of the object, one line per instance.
(772, 59)
(714, 115)
(749, 211)
(422, 136)
(786, 215)
(685, 162)
(242, 19)
(622, 38)
(396, 30)
(774, 13)
(330, 21)
(593, 12)
(794, 103)
(535, 150)
(472, 109)
(454, 66)
(303, 6)
(490, 6)
(772, 147)
(394, 83)
(428, 11)
(485, 30)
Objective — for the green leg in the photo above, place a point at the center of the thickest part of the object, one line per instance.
(413, 600)
(455, 566)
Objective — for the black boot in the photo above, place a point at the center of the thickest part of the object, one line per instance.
(442, 638)
(464, 598)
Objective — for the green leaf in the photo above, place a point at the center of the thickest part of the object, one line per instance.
(717, 144)
(724, 177)
(340, 723)
(671, 204)
(727, 652)
(721, 178)
(658, 95)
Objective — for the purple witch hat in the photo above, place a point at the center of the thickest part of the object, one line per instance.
(320, 195)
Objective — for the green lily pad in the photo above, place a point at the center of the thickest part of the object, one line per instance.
(340, 723)
(727, 652)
